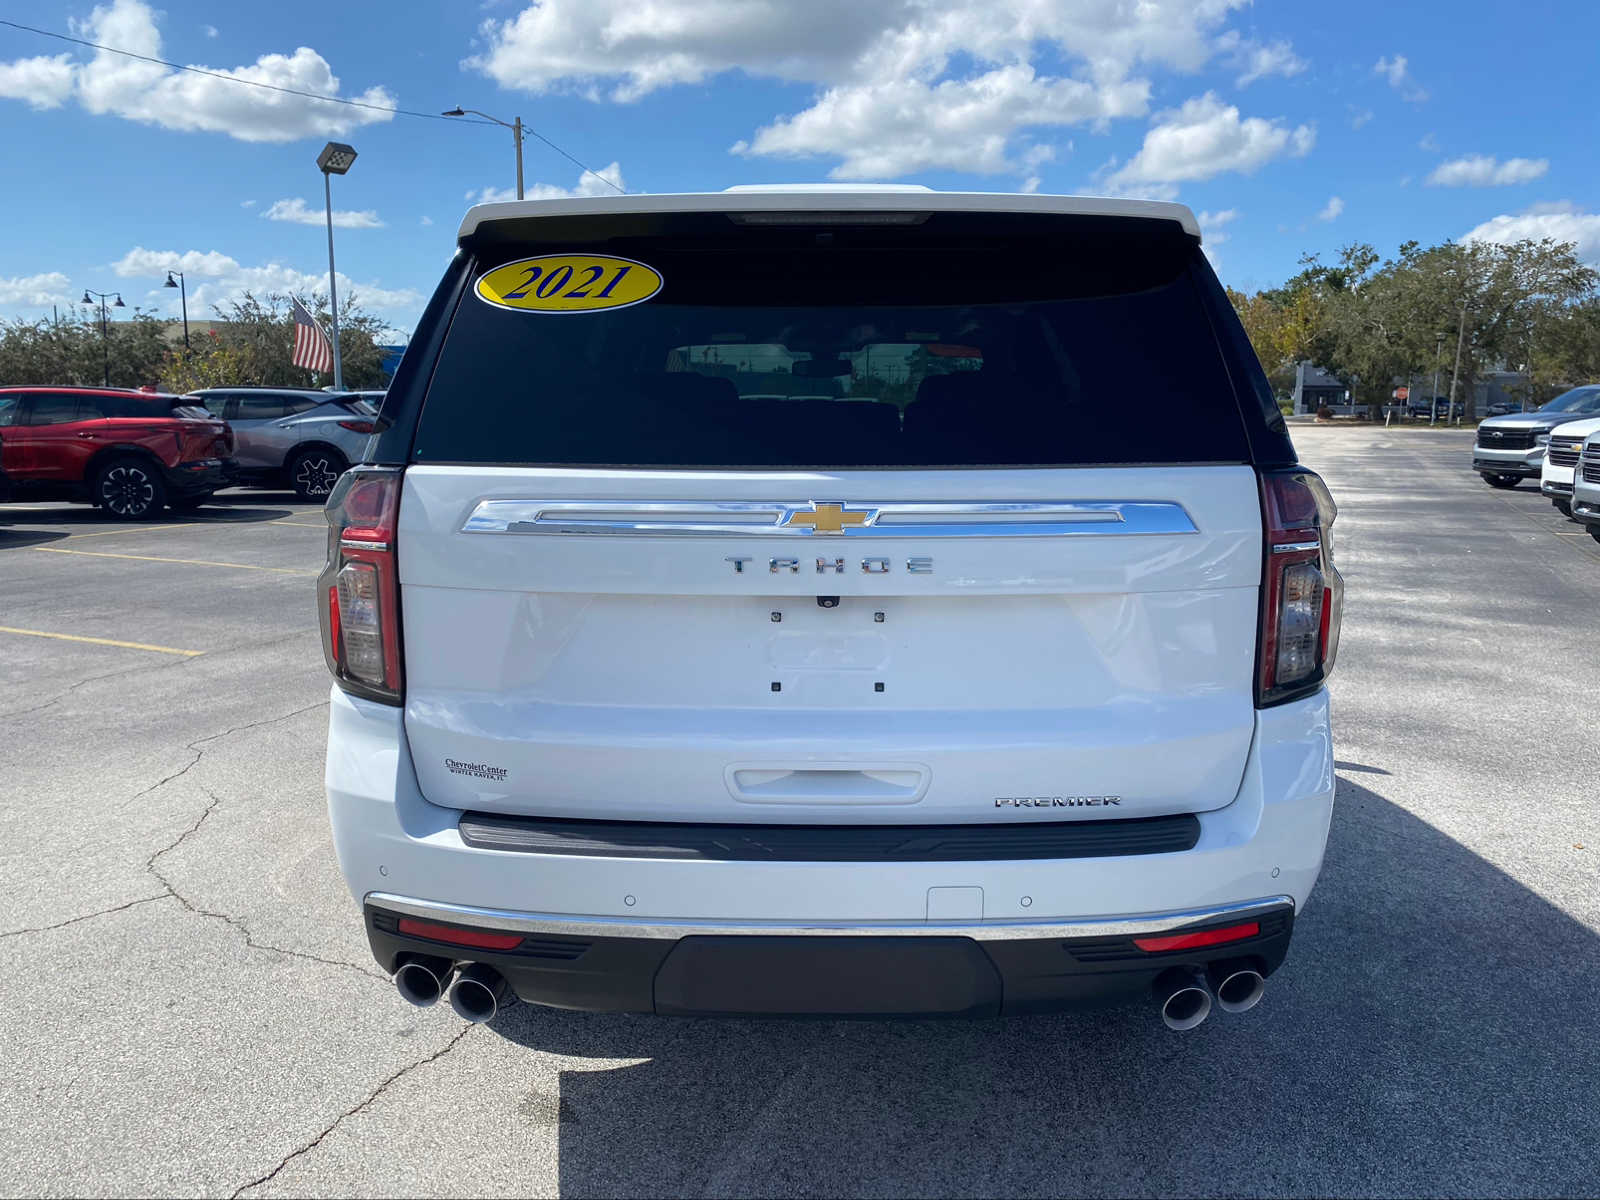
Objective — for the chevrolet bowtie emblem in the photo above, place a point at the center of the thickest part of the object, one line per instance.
(827, 518)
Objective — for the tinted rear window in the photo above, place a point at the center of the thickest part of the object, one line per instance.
(962, 341)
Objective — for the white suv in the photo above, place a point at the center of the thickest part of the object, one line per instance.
(1561, 461)
(1586, 486)
(830, 601)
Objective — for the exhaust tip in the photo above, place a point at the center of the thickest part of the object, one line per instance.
(420, 979)
(1183, 997)
(478, 993)
(1239, 986)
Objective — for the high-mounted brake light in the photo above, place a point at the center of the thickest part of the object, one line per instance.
(361, 618)
(1302, 593)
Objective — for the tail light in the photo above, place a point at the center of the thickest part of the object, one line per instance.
(359, 588)
(1302, 594)
(359, 426)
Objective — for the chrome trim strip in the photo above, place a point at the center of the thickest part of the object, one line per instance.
(592, 926)
(1296, 547)
(357, 544)
(702, 518)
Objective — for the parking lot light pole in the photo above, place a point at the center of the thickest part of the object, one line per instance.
(1433, 398)
(183, 294)
(105, 330)
(514, 126)
(335, 159)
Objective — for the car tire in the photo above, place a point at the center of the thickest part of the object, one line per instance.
(1564, 508)
(1502, 481)
(129, 488)
(313, 472)
(190, 503)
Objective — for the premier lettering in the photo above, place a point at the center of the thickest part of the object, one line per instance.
(1056, 801)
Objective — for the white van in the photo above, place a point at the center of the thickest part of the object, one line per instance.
(981, 671)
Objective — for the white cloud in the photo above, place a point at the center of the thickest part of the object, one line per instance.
(1361, 117)
(223, 278)
(1561, 221)
(1205, 138)
(1256, 60)
(43, 82)
(1483, 170)
(156, 95)
(902, 85)
(1331, 210)
(1398, 72)
(247, 204)
(1429, 143)
(427, 220)
(1212, 225)
(49, 288)
(587, 185)
(298, 211)
(210, 31)
(893, 128)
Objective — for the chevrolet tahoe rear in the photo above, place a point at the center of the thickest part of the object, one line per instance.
(831, 602)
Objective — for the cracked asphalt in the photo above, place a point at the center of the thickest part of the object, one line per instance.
(190, 1007)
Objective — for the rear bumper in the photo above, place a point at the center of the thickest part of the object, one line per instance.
(923, 970)
(198, 476)
(393, 844)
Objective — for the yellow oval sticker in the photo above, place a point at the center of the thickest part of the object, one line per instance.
(566, 283)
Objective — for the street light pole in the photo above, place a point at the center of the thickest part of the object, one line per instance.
(105, 330)
(1433, 397)
(335, 159)
(514, 126)
(183, 294)
(1461, 334)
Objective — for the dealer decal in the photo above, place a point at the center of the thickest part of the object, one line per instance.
(569, 283)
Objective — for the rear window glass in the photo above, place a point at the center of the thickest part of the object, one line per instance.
(975, 342)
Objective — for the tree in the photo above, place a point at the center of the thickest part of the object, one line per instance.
(76, 350)
(254, 340)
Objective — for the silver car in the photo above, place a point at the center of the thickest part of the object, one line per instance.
(289, 437)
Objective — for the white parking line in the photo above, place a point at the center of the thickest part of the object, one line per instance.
(191, 562)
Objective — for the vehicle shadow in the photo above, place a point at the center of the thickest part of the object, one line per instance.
(18, 539)
(224, 509)
(1432, 1033)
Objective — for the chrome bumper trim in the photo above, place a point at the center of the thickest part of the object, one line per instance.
(983, 931)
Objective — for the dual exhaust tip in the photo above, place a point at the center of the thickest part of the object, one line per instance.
(1185, 995)
(476, 993)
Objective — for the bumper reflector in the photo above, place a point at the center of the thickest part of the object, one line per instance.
(478, 939)
(1193, 941)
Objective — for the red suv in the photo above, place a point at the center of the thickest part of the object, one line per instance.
(131, 453)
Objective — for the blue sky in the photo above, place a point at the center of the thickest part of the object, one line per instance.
(1290, 127)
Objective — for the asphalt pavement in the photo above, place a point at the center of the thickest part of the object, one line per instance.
(190, 1006)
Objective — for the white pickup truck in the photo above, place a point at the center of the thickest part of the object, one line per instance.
(979, 671)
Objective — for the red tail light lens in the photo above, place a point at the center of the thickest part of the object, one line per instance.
(481, 939)
(1193, 941)
(358, 426)
(361, 620)
(1302, 592)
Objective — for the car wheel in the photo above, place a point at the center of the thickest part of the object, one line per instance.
(129, 488)
(312, 473)
(1502, 481)
(190, 503)
(1563, 507)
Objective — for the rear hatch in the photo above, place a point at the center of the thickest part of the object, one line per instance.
(200, 435)
(942, 520)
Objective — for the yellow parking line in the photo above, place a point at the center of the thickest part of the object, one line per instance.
(301, 524)
(189, 562)
(72, 637)
(72, 537)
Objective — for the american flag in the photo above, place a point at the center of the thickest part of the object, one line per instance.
(312, 349)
